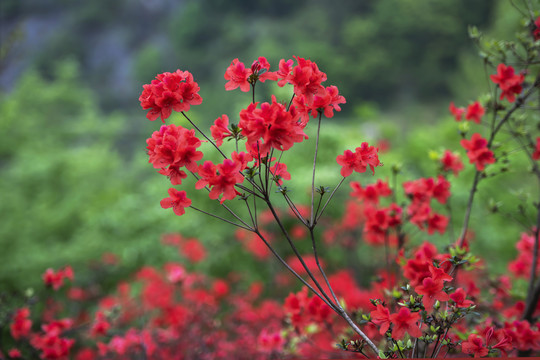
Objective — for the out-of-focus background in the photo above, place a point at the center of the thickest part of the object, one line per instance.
(75, 180)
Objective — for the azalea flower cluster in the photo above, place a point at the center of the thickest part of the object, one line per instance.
(55, 279)
(265, 127)
(169, 91)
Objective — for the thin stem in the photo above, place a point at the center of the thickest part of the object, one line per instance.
(358, 331)
(300, 258)
(315, 253)
(441, 345)
(203, 134)
(294, 209)
(399, 349)
(329, 198)
(284, 263)
(290, 102)
(336, 307)
(415, 347)
(450, 218)
(223, 205)
(319, 205)
(532, 301)
(279, 161)
(251, 192)
(250, 214)
(469, 209)
(312, 216)
(220, 218)
(256, 222)
(387, 256)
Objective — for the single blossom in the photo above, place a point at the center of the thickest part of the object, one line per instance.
(327, 103)
(238, 76)
(220, 129)
(55, 279)
(451, 162)
(405, 322)
(21, 324)
(358, 161)
(509, 82)
(432, 290)
(457, 112)
(221, 179)
(475, 346)
(478, 152)
(459, 297)
(178, 200)
(381, 317)
(475, 111)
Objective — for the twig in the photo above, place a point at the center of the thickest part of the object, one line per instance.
(312, 216)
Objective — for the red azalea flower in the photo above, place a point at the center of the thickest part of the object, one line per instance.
(175, 272)
(193, 250)
(100, 326)
(14, 353)
(459, 297)
(381, 317)
(437, 222)
(238, 76)
(359, 160)
(457, 112)
(306, 79)
(272, 123)
(220, 288)
(56, 279)
(270, 342)
(441, 189)
(174, 146)
(21, 324)
(508, 81)
(327, 103)
(432, 290)
(536, 31)
(169, 91)
(474, 345)
(174, 174)
(452, 162)
(261, 68)
(242, 158)
(438, 273)
(371, 192)
(221, 179)
(477, 151)
(51, 344)
(475, 111)
(220, 130)
(178, 200)
(405, 321)
(280, 172)
(285, 70)
(536, 153)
